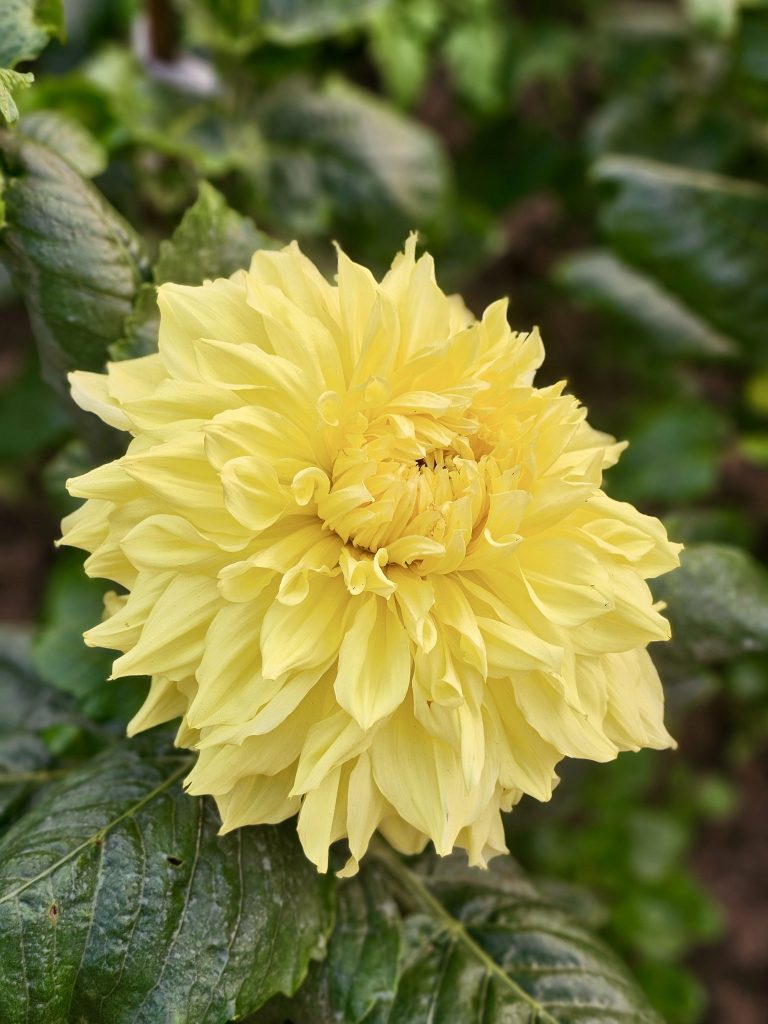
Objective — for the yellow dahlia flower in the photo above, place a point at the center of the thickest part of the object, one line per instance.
(367, 562)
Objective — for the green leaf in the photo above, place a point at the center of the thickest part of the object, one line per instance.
(400, 41)
(716, 16)
(478, 946)
(703, 237)
(211, 241)
(717, 603)
(301, 21)
(180, 124)
(674, 454)
(119, 903)
(360, 973)
(639, 303)
(73, 603)
(487, 946)
(30, 711)
(68, 138)
(9, 82)
(76, 262)
(238, 26)
(26, 26)
(337, 155)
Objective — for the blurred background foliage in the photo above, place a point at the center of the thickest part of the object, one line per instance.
(605, 165)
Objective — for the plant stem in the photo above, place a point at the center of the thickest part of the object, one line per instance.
(163, 29)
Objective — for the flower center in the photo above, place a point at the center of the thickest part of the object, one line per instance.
(412, 499)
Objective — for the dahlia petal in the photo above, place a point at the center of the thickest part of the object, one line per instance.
(163, 703)
(365, 806)
(415, 598)
(108, 483)
(256, 431)
(510, 650)
(565, 581)
(168, 542)
(301, 636)
(569, 729)
(316, 818)
(253, 494)
(426, 787)
(527, 760)
(173, 637)
(298, 337)
(329, 744)
(90, 392)
(176, 407)
(357, 296)
(230, 684)
(127, 615)
(374, 663)
(277, 699)
(86, 527)
(276, 383)
(635, 713)
(257, 800)
(217, 309)
(131, 380)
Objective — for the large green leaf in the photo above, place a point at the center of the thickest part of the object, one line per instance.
(26, 26)
(76, 262)
(717, 603)
(703, 237)
(30, 713)
(119, 903)
(487, 947)
(477, 947)
(337, 155)
(597, 278)
(68, 138)
(359, 975)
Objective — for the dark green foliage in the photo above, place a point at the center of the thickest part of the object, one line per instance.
(718, 604)
(335, 155)
(359, 974)
(704, 238)
(10, 82)
(119, 903)
(26, 26)
(476, 946)
(68, 138)
(640, 306)
(551, 969)
(36, 724)
(77, 263)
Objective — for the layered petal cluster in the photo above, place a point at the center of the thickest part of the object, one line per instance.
(364, 559)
